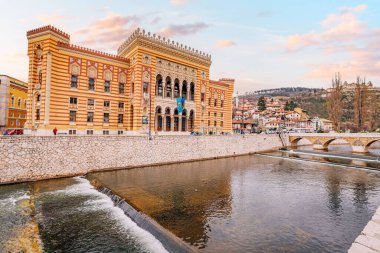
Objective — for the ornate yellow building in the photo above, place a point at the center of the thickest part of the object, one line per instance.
(13, 103)
(84, 91)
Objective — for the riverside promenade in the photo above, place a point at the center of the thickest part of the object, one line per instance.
(29, 158)
(369, 240)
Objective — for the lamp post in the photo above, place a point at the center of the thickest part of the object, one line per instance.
(150, 117)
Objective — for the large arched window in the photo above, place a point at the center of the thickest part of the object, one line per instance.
(192, 91)
(184, 89)
(168, 87)
(176, 120)
(159, 120)
(19, 102)
(13, 101)
(168, 120)
(159, 88)
(176, 88)
(191, 121)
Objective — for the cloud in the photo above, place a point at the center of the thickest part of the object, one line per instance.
(264, 14)
(50, 19)
(155, 20)
(109, 32)
(225, 43)
(345, 42)
(180, 2)
(182, 30)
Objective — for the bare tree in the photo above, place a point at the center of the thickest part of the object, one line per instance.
(334, 101)
(360, 105)
(372, 108)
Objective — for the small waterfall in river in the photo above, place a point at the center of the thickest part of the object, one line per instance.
(169, 241)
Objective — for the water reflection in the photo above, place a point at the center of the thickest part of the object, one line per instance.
(253, 204)
(333, 181)
(181, 197)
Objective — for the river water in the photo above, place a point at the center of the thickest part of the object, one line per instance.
(253, 203)
(242, 204)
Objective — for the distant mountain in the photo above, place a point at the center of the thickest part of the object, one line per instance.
(310, 99)
(286, 91)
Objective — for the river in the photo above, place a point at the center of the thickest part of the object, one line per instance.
(243, 204)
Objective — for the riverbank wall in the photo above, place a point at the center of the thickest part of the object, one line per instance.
(29, 158)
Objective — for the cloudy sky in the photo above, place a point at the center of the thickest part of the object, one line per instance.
(262, 44)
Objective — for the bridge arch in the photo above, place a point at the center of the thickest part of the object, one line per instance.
(371, 142)
(327, 143)
(295, 142)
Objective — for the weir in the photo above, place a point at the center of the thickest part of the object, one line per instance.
(168, 240)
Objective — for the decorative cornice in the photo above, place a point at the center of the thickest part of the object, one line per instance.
(93, 52)
(219, 83)
(157, 40)
(48, 28)
(226, 80)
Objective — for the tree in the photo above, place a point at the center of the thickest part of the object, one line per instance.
(290, 106)
(261, 104)
(334, 101)
(373, 109)
(360, 110)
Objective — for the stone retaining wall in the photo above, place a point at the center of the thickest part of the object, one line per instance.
(25, 158)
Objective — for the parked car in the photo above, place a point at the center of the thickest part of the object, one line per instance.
(14, 132)
(196, 133)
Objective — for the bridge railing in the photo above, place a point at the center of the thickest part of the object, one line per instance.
(357, 135)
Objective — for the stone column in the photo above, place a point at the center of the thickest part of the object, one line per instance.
(164, 123)
(180, 122)
(172, 85)
(171, 123)
(188, 92)
(47, 89)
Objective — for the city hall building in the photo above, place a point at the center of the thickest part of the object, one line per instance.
(152, 82)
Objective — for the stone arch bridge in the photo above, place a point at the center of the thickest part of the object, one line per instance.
(359, 142)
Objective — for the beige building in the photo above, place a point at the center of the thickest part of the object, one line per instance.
(152, 82)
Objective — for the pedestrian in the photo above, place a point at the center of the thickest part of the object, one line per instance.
(55, 130)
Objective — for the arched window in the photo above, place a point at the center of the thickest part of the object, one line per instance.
(176, 88)
(159, 88)
(168, 88)
(13, 101)
(192, 91)
(40, 77)
(25, 103)
(184, 89)
(19, 101)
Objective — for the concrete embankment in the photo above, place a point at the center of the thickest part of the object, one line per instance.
(28, 158)
(369, 240)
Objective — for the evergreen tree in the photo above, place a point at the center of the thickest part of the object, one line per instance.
(261, 104)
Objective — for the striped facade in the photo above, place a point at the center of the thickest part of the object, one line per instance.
(83, 91)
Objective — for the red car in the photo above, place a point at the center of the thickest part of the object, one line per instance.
(14, 132)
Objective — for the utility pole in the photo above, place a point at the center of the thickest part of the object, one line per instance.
(242, 119)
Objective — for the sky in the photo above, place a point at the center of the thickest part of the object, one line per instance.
(261, 44)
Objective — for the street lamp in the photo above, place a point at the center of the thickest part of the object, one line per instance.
(150, 117)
